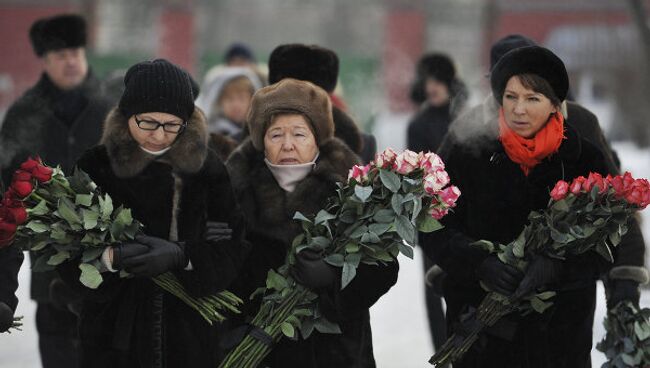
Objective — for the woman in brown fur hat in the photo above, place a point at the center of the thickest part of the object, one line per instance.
(292, 162)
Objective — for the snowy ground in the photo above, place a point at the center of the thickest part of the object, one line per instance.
(400, 335)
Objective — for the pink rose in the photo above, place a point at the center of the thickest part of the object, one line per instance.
(595, 180)
(386, 159)
(434, 181)
(406, 162)
(560, 191)
(576, 184)
(450, 195)
(359, 173)
(431, 162)
(438, 213)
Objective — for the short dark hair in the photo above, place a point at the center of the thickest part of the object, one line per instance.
(539, 85)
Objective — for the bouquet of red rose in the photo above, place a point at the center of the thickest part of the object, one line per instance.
(61, 218)
(627, 342)
(371, 219)
(587, 215)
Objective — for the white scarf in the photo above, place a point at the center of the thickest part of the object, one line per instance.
(156, 153)
(288, 176)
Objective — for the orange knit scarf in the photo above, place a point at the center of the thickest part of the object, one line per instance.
(530, 152)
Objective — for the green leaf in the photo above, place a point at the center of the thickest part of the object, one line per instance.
(124, 216)
(307, 328)
(301, 217)
(546, 295)
(58, 258)
(106, 206)
(353, 259)
(397, 203)
(485, 245)
(348, 274)
(379, 228)
(90, 218)
(603, 250)
(405, 228)
(561, 206)
(37, 226)
(323, 216)
(384, 216)
(363, 193)
(390, 180)
(642, 332)
(41, 265)
(428, 224)
(518, 245)
(370, 237)
(40, 209)
(287, 329)
(275, 281)
(67, 212)
(84, 199)
(352, 247)
(615, 238)
(539, 305)
(406, 250)
(359, 231)
(297, 240)
(335, 259)
(38, 244)
(90, 276)
(417, 207)
(322, 325)
(91, 253)
(320, 241)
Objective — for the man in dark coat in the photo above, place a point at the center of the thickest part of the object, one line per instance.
(321, 66)
(57, 119)
(441, 96)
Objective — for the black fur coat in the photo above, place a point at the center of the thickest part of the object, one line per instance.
(269, 211)
(131, 322)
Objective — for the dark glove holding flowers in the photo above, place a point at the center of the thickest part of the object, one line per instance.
(150, 256)
(498, 276)
(312, 271)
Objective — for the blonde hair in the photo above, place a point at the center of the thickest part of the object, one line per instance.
(237, 84)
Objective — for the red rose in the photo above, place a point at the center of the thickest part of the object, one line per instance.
(617, 183)
(21, 175)
(7, 227)
(596, 180)
(22, 188)
(576, 184)
(14, 209)
(560, 191)
(42, 173)
(30, 164)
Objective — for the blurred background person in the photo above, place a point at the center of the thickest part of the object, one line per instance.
(320, 66)
(57, 119)
(441, 95)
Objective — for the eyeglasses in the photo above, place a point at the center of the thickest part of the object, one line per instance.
(174, 128)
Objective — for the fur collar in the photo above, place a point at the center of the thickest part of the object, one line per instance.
(268, 208)
(186, 155)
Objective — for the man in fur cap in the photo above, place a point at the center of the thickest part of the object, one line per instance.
(57, 119)
(320, 66)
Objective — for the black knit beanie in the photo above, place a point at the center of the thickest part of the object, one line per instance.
(157, 86)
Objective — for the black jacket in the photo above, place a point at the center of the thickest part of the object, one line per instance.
(131, 322)
(10, 260)
(57, 126)
(269, 211)
(495, 201)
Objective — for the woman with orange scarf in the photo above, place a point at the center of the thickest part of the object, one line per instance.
(506, 168)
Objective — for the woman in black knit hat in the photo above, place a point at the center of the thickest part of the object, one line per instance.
(154, 159)
(503, 176)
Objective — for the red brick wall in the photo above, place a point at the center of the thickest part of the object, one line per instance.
(176, 40)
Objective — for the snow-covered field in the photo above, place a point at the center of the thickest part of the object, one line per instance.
(400, 335)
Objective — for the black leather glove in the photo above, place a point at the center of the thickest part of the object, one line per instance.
(6, 317)
(498, 276)
(126, 250)
(217, 231)
(541, 271)
(622, 290)
(162, 256)
(312, 271)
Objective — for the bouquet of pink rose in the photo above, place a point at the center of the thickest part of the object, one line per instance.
(61, 218)
(373, 217)
(588, 214)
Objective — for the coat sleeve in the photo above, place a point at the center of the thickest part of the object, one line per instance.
(369, 284)
(217, 264)
(450, 247)
(416, 141)
(11, 258)
(13, 144)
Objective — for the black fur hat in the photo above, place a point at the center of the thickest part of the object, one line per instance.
(58, 32)
(530, 60)
(311, 63)
(506, 44)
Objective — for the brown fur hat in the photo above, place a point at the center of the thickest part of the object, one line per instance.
(290, 96)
